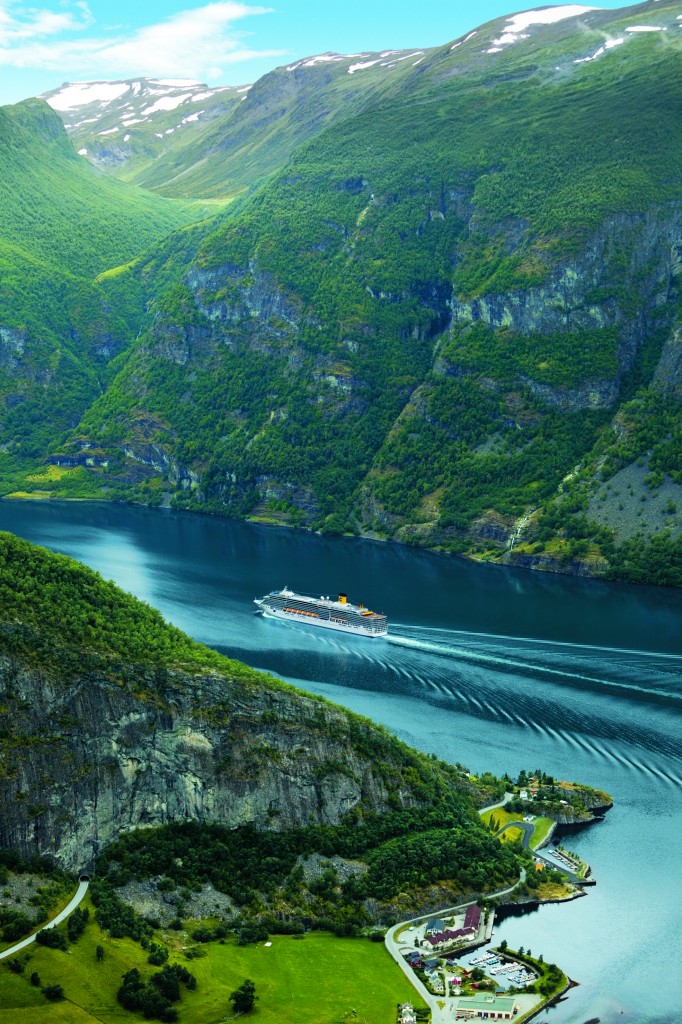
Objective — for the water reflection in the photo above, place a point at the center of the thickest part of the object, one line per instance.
(492, 668)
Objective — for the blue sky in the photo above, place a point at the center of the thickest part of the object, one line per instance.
(222, 43)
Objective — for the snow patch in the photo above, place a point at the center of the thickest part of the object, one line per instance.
(392, 63)
(78, 94)
(245, 89)
(514, 27)
(321, 58)
(167, 103)
(608, 45)
(169, 131)
(462, 41)
(109, 131)
(126, 138)
(87, 120)
(193, 117)
(159, 135)
(361, 66)
(82, 152)
(178, 83)
(199, 96)
(645, 28)
(133, 120)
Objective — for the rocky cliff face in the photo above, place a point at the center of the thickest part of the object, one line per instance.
(104, 754)
(626, 278)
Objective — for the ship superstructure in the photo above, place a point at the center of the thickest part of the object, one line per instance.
(328, 612)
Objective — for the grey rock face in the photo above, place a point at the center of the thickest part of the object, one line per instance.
(626, 278)
(97, 757)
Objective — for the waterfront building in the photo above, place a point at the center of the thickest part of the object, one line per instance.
(487, 1007)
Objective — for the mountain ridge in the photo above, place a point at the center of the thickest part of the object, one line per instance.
(443, 316)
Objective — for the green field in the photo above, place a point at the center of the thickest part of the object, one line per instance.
(314, 980)
(540, 831)
(541, 826)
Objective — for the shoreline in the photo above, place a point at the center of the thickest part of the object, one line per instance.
(581, 570)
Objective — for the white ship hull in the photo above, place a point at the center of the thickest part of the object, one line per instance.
(340, 627)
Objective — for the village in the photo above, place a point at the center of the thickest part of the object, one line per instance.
(433, 952)
(443, 958)
(451, 963)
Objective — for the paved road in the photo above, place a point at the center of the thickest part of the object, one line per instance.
(526, 827)
(438, 1015)
(61, 916)
(493, 807)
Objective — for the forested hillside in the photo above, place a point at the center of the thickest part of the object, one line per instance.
(450, 319)
(112, 720)
(61, 224)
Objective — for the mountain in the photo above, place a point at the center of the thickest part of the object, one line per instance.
(131, 128)
(450, 318)
(183, 139)
(111, 720)
(62, 225)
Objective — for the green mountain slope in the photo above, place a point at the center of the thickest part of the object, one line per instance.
(447, 320)
(55, 207)
(217, 143)
(111, 720)
(61, 224)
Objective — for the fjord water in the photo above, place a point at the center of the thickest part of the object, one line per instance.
(492, 668)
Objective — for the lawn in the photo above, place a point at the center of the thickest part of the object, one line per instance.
(541, 827)
(314, 980)
(511, 835)
(555, 891)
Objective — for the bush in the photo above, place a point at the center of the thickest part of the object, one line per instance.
(243, 999)
(158, 955)
(76, 923)
(52, 938)
(53, 992)
(155, 998)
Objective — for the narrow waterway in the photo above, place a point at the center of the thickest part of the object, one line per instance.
(492, 668)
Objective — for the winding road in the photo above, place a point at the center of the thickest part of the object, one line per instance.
(440, 1014)
(440, 1006)
(528, 828)
(61, 916)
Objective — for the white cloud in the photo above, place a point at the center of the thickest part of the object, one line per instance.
(19, 23)
(195, 43)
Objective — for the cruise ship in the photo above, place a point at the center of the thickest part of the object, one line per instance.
(328, 612)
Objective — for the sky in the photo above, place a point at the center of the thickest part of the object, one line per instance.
(221, 43)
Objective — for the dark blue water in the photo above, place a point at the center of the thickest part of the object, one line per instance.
(492, 668)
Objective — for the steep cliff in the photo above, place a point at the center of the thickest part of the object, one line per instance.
(111, 721)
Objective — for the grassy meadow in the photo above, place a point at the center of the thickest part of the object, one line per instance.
(313, 980)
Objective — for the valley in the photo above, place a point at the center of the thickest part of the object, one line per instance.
(401, 324)
(461, 336)
(491, 667)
